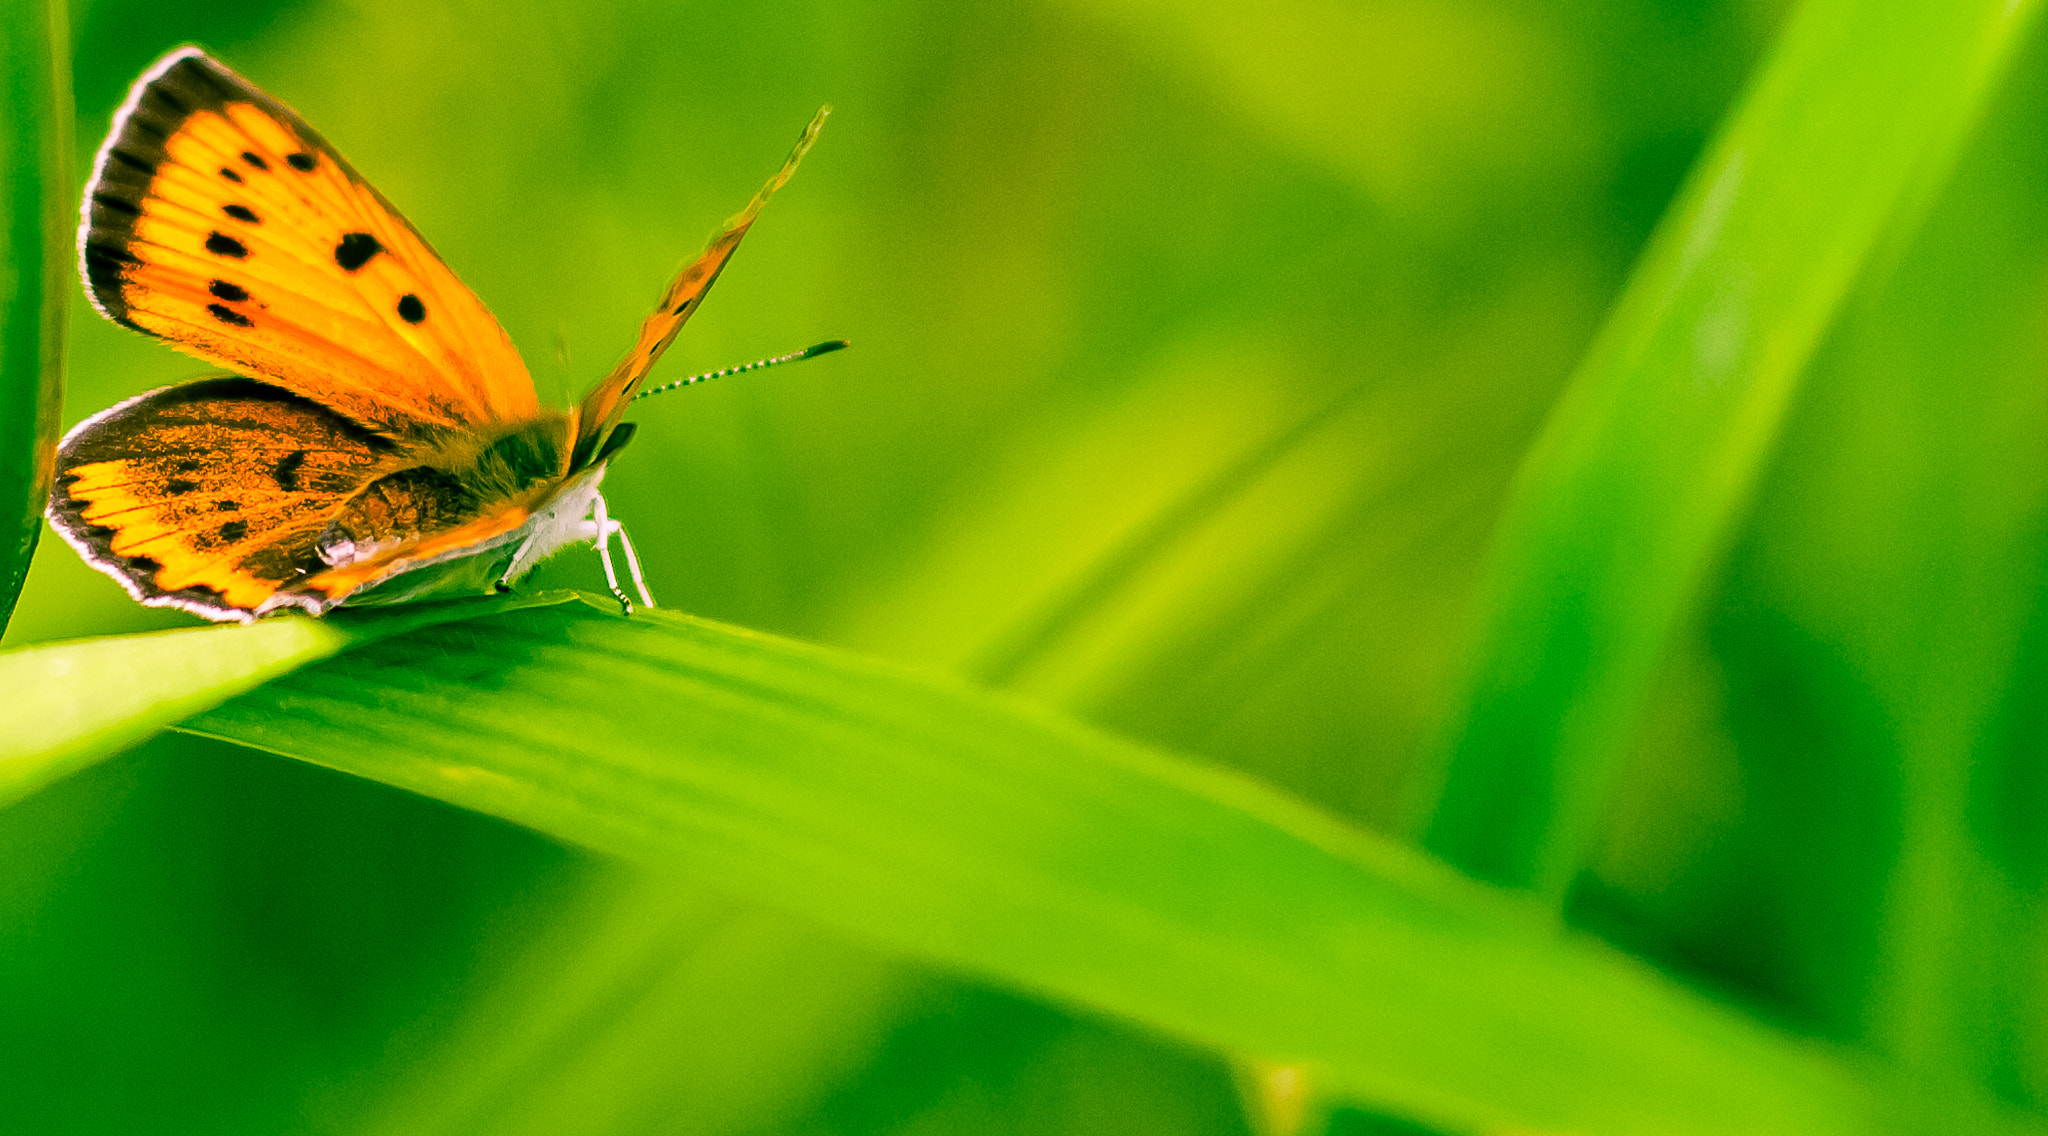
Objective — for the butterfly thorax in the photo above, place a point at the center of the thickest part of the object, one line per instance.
(482, 556)
(446, 479)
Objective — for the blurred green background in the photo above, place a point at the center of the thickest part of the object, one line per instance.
(1195, 345)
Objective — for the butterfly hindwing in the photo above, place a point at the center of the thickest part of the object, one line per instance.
(218, 220)
(212, 495)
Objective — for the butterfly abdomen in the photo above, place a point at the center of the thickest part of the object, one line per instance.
(393, 510)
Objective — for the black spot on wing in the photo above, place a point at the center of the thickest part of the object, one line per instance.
(118, 205)
(132, 161)
(231, 175)
(242, 213)
(355, 250)
(220, 244)
(178, 486)
(233, 531)
(410, 309)
(255, 159)
(229, 316)
(678, 310)
(286, 472)
(226, 506)
(233, 294)
(301, 161)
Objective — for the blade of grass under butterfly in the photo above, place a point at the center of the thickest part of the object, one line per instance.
(35, 270)
(68, 705)
(1636, 480)
(989, 836)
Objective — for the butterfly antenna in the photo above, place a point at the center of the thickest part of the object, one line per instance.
(774, 360)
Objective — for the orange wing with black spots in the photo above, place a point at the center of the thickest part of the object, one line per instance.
(213, 496)
(601, 409)
(218, 220)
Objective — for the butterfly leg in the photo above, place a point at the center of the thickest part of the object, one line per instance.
(633, 565)
(606, 529)
(519, 564)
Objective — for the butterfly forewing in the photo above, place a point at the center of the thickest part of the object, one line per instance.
(218, 220)
(602, 408)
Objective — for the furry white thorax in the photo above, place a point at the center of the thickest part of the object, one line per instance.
(568, 519)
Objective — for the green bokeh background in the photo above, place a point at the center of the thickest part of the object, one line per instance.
(1195, 346)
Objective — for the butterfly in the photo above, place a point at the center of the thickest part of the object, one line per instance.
(378, 439)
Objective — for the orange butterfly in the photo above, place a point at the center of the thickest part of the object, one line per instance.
(382, 441)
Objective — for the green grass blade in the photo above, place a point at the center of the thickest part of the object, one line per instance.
(35, 270)
(71, 704)
(68, 705)
(1883, 633)
(1639, 475)
(995, 838)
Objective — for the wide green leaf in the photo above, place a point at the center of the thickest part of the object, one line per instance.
(71, 704)
(1646, 463)
(35, 270)
(990, 836)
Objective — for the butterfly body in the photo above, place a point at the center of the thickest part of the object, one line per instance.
(379, 439)
(489, 563)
